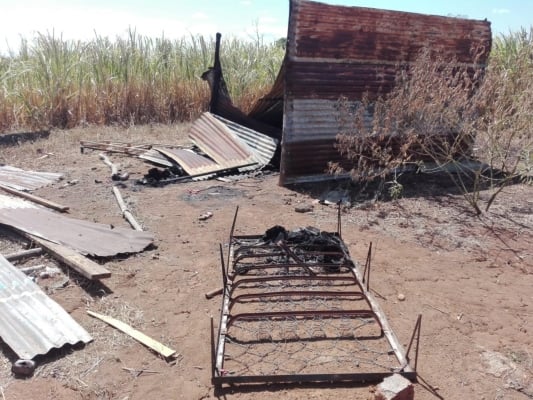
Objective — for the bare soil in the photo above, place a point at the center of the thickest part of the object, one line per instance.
(470, 278)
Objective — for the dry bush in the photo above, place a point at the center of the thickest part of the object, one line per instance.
(472, 123)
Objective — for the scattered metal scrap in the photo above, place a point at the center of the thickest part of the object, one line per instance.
(32, 323)
(219, 147)
(297, 309)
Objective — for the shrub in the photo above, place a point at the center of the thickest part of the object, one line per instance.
(475, 124)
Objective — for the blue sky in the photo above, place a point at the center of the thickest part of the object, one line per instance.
(80, 19)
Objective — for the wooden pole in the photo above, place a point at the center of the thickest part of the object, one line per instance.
(35, 199)
(125, 212)
(23, 254)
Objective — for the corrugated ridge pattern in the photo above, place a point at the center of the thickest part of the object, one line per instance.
(214, 138)
(20, 179)
(31, 322)
(83, 236)
(261, 146)
(338, 51)
(190, 161)
(359, 33)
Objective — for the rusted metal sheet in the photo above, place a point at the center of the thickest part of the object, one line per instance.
(216, 140)
(190, 161)
(269, 108)
(338, 51)
(262, 147)
(86, 237)
(20, 179)
(358, 34)
(32, 323)
(156, 157)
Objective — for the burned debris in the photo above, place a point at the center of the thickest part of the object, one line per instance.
(34, 324)
(340, 52)
(218, 148)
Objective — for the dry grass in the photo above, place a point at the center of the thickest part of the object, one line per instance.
(54, 83)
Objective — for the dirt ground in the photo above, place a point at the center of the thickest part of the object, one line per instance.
(470, 278)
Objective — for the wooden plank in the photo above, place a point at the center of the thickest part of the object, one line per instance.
(23, 254)
(35, 199)
(114, 147)
(134, 333)
(126, 213)
(72, 258)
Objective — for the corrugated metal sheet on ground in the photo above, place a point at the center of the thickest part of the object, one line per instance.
(261, 146)
(215, 139)
(191, 162)
(156, 157)
(83, 236)
(31, 322)
(20, 179)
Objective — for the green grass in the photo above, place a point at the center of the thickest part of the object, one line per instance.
(51, 82)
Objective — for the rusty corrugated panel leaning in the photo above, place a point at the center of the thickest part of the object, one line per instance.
(215, 139)
(338, 51)
(85, 237)
(31, 322)
(20, 179)
(262, 147)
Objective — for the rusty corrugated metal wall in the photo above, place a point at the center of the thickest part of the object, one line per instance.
(336, 51)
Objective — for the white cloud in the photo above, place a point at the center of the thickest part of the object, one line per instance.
(246, 3)
(501, 11)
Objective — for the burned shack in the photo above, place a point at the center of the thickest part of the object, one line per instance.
(338, 52)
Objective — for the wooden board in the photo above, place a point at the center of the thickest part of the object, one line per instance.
(134, 333)
(73, 259)
(35, 199)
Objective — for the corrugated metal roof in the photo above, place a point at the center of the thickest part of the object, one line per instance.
(20, 179)
(215, 139)
(155, 157)
(190, 161)
(229, 144)
(261, 146)
(336, 51)
(86, 237)
(31, 322)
